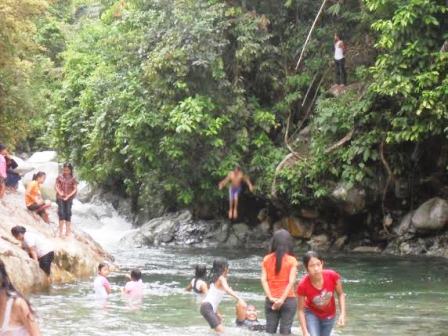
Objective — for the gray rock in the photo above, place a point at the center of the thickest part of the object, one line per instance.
(405, 227)
(431, 215)
(350, 200)
(367, 249)
(241, 231)
(340, 242)
(319, 242)
(85, 192)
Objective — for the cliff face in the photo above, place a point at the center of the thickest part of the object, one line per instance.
(74, 258)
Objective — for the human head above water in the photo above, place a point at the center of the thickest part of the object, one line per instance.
(313, 262)
(136, 275)
(281, 244)
(251, 313)
(18, 232)
(220, 267)
(200, 271)
(103, 269)
(39, 177)
(67, 169)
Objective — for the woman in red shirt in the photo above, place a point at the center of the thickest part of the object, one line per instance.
(279, 271)
(317, 307)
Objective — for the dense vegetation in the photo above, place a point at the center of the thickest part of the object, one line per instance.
(162, 98)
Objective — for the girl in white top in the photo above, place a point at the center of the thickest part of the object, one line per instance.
(218, 287)
(198, 284)
(17, 317)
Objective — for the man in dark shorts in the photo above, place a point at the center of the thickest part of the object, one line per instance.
(236, 178)
(246, 317)
(37, 247)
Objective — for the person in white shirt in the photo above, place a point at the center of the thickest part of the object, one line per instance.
(101, 285)
(339, 59)
(37, 247)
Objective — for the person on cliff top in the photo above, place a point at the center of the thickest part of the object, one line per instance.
(37, 247)
(16, 312)
(33, 197)
(236, 178)
(3, 168)
(66, 188)
(317, 307)
(101, 285)
(339, 60)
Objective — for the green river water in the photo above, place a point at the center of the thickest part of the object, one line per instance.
(385, 295)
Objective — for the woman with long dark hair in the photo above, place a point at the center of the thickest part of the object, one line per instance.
(278, 275)
(16, 312)
(66, 188)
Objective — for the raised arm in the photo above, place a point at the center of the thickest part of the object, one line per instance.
(292, 279)
(341, 301)
(230, 291)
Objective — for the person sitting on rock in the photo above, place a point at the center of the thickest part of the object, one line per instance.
(12, 178)
(37, 247)
(16, 312)
(33, 197)
(66, 188)
(236, 178)
(247, 317)
(2, 170)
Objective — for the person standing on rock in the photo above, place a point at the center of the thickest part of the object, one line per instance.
(37, 247)
(17, 315)
(236, 178)
(317, 307)
(3, 168)
(33, 197)
(278, 276)
(339, 60)
(66, 188)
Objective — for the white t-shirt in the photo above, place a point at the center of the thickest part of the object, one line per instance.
(100, 284)
(338, 51)
(38, 242)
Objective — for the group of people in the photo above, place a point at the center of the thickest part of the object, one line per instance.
(313, 297)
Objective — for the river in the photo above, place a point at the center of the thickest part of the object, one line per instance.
(385, 295)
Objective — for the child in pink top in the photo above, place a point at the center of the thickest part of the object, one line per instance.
(134, 288)
(3, 175)
(101, 285)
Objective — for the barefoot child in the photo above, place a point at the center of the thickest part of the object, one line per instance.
(33, 197)
(198, 284)
(101, 285)
(66, 188)
(218, 287)
(317, 307)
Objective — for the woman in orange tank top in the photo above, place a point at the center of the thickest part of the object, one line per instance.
(279, 272)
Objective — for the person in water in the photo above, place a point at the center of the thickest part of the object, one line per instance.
(101, 285)
(37, 247)
(33, 197)
(317, 307)
(247, 317)
(278, 276)
(134, 288)
(66, 188)
(198, 284)
(218, 287)
(339, 60)
(16, 312)
(236, 178)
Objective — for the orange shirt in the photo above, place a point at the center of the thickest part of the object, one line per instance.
(278, 282)
(32, 194)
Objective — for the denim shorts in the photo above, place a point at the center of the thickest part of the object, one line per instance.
(317, 326)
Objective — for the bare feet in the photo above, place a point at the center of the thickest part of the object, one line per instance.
(230, 214)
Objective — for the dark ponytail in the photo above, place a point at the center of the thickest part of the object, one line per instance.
(219, 267)
(281, 244)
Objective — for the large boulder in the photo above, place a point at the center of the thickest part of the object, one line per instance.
(431, 215)
(350, 200)
(74, 258)
(297, 227)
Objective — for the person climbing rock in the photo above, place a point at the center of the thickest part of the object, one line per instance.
(236, 178)
(339, 59)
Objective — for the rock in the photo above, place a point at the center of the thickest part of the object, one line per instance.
(241, 231)
(74, 258)
(297, 227)
(42, 157)
(350, 200)
(319, 242)
(263, 215)
(340, 242)
(85, 192)
(367, 249)
(431, 215)
(309, 213)
(405, 227)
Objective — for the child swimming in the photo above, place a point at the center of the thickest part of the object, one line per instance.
(101, 285)
(134, 288)
(218, 287)
(198, 284)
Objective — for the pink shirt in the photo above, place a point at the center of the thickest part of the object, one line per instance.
(134, 289)
(2, 166)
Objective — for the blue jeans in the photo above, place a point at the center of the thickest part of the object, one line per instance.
(317, 326)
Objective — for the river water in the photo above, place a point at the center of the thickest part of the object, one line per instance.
(385, 295)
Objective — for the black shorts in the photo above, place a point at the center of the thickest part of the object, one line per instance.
(34, 207)
(65, 209)
(210, 316)
(45, 262)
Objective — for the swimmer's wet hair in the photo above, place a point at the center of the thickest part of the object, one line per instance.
(200, 271)
(136, 275)
(220, 265)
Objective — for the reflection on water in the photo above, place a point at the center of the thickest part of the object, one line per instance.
(385, 295)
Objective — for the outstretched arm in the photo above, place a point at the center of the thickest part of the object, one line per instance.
(223, 183)
(230, 291)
